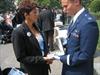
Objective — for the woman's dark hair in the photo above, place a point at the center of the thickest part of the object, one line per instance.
(26, 6)
(18, 19)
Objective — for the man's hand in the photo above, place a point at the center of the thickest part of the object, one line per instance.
(53, 56)
(49, 59)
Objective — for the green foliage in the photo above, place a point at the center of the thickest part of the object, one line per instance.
(98, 21)
(97, 15)
(95, 6)
(86, 3)
(44, 2)
(6, 5)
(98, 46)
(49, 3)
(55, 3)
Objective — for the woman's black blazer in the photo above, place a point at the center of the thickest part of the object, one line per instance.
(28, 51)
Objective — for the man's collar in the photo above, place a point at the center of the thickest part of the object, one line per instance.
(78, 14)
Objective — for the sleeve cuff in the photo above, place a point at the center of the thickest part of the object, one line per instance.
(68, 59)
(56, 57)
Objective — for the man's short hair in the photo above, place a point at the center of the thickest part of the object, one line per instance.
(74, 0)
(79, 0)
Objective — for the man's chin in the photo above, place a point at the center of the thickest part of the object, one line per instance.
(68, 14)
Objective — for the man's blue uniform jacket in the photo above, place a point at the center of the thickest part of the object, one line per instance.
(81, 46)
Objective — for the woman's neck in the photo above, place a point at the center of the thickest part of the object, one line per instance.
(29, 24)
(31, 27)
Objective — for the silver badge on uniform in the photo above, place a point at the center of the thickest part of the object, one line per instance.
(76, 33)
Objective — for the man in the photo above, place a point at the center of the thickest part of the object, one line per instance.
(81, 42)
(46, 24)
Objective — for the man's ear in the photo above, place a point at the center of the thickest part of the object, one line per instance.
(76, 1)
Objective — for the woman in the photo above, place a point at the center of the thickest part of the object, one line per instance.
(29, 43)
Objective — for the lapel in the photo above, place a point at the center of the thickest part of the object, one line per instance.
(33, 40)
(77, 23)
(31, 37)
(45, 44)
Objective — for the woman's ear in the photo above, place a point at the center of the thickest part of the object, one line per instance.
(25, 14)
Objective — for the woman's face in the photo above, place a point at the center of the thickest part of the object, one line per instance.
(33, 15)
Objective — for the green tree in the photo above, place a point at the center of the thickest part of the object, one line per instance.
(86, 3)
(55, 3)
(6, 5)
(95, 6)
(49, 3)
